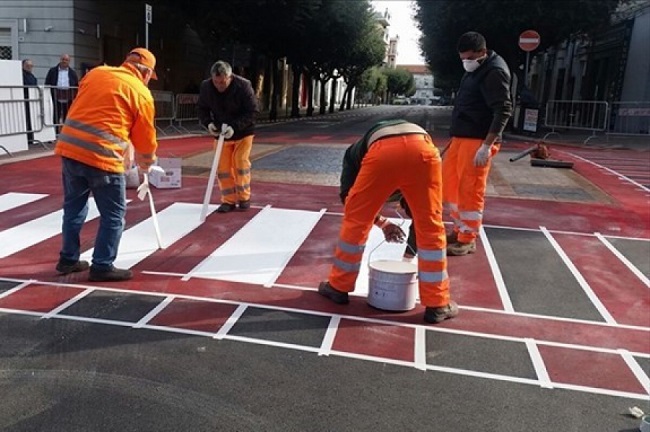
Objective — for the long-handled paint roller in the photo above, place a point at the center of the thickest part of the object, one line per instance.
(213, 173)
(143, 190)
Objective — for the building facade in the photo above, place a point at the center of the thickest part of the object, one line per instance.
(424, 85)
(612, 66)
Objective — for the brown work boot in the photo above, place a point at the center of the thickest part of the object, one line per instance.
(64, 268)
(244, 205)
(460, 249)
(113, 274)
(338, 297)
(435, 315)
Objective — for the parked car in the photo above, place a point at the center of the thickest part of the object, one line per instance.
(400, 100)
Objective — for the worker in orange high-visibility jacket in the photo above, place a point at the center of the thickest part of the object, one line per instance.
(393, 155)
(113, 110)
(481, 110)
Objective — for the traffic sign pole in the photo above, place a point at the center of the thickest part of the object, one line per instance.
(528, 41)
(148, 18)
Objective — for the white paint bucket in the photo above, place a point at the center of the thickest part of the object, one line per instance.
(645, 424)
(392, 285)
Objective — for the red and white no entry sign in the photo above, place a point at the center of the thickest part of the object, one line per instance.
(529, 40)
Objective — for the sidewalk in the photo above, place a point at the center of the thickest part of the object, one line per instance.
(577, 138)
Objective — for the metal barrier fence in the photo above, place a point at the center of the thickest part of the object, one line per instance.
(186, 112)
(22, 110)
(581, 115)
(629, 118)
(165, 110)
(61, 99)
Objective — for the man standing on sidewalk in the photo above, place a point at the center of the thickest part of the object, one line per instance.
(481, 110)
(114, 110)
(64, 81)
(393, 155)
(229, 99)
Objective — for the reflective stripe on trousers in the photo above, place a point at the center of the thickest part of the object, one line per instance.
(412, 164)
(234, 171)
(464, 186)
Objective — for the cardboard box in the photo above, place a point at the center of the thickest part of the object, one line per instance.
(171, 178)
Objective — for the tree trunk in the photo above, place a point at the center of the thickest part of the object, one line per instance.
(277, 85)
(343, 99)
(333, 95)
(295, 90)
(349, 104)
(310, 95)
(323, 102)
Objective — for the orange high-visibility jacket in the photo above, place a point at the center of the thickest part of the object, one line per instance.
(112, 109)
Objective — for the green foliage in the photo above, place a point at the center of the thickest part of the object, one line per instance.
(373, 82)
(501, 22)
(399, 81)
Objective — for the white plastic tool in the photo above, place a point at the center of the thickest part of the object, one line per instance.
(213, 173)
(144, 190)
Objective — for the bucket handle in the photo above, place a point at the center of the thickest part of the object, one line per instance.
(400, 224)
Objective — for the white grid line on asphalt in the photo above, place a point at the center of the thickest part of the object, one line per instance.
(330, 334)
(538, 363)
(579, 278)
(496, 273)
(624, 260)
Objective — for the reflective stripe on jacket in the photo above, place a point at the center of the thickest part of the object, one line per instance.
(113, 108)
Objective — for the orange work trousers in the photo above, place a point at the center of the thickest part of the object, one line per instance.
(234, 170)
(463, 191)
(410, 163)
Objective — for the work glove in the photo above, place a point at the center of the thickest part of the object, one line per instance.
(228, 132)
(482, 155)
(393, 233)
(213, 129)
(144, 189)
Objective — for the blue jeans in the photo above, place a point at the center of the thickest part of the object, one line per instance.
(109, 191)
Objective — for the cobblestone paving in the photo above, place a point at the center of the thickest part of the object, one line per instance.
(320, 164)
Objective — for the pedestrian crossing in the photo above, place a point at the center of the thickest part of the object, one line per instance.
(562, 295)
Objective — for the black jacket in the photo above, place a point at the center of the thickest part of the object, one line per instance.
(483, 102)
(52, 77)
(29, 79)
(236, 107)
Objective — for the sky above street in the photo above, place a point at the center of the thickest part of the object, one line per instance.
(402, 24)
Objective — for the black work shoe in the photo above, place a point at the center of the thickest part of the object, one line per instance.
(460, 249)
(226, 208)
(244, 205)
(338, 297)
(435, 315)
(112, 275)
(65, 269)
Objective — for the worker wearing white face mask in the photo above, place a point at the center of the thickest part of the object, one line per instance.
(481, 110)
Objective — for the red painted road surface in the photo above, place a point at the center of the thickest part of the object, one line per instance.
(572, 352)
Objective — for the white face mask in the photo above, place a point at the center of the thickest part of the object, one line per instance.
(471, 65)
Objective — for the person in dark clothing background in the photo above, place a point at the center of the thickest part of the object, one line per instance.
(229, 99)
(64, 82)
(28, 80)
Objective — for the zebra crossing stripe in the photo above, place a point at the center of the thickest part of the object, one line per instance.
(261, 249)
(139, 241)
(37, 230)
(12, 200)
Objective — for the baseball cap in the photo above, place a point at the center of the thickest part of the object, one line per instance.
(145, 58)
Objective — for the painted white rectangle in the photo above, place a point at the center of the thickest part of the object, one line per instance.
(260, 250)
(139, 241)
(387, 251)
(11, 200)
(22, 236)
